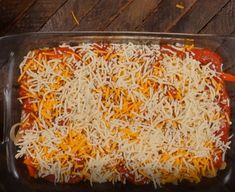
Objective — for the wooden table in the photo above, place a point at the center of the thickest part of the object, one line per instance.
(187, 16)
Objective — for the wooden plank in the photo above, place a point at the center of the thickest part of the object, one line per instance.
(224, 22)
(36, 16)
(63, 19)
(133, 15)
(102, 15)
(11, 11)
(199, 15)
(166, 15)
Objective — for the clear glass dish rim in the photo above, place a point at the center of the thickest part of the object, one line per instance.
(122, 34)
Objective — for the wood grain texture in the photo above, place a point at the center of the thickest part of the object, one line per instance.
(199, 15)
(166, 15)
(223, 22)
(63, 19)
(11, 12)
(102, 14)
(133, 15)
(36, 16)
(196, 16)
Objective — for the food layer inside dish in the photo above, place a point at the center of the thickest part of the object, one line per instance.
(107, 112)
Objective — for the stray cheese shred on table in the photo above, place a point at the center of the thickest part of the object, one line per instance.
(109, 112)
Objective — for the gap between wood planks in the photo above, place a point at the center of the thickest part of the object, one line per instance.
(216, 15)
(199, 16)
(80, 19)
(158, 21)
(54, 13)
(126, 8)
(118, 13)
(133, 15)
(63, 19)
(181, 16)
(18, 17)
(98, 18)
(34, 18)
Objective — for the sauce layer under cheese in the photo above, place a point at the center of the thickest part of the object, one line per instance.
(108, 112)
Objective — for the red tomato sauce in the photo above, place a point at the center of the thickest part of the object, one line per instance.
(206, 56)
(125, 174)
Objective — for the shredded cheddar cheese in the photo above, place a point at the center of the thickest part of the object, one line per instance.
(179, 6)
(93, 109)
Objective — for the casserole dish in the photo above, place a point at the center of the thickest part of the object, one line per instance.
(13, 173)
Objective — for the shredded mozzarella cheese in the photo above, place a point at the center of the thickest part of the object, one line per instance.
(98, 107)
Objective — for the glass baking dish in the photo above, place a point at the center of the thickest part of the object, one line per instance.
(14, 175)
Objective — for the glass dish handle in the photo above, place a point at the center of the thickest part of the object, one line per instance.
(7, 68)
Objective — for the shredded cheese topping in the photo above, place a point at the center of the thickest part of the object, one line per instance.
(116, 112)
